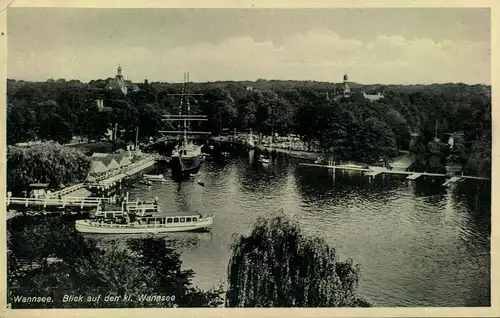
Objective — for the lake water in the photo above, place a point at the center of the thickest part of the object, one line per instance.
(418, 244)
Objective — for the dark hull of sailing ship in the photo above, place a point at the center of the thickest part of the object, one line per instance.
(185, 165)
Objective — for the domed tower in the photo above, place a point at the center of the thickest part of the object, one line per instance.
(347, 90)
(119, 72)
(120, 81)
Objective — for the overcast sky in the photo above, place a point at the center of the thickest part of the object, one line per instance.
(389, 46)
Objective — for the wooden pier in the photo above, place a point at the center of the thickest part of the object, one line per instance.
(67, 191)
(345, 167)
(414, 176)
(55, 203)
(451, 181)
(50, 205)
(135, 207)
(375, 171)
(109, 179)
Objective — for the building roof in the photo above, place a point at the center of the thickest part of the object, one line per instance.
(98, 167)
(110, 160)
(99, 154)
(118, 156)
(373, 97)
(39, 185)
(113, 163)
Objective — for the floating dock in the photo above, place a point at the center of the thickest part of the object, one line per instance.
(375, 172)
(414, 176)
(452, 181)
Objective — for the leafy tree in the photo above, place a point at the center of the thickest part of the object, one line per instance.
(438, 152)
(45, 163)
(332, 130)
(419, 149)
(458, 152)
(21, 124)
(374, 140)
(220, 109)
(479, 160)
(150, 120)
(399, 127)
(277, 265)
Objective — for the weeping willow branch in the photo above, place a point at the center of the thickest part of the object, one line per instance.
(277, 265)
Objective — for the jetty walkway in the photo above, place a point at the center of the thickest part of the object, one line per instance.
(108, 179)
(58, 205)
(375, 171)
(51, 205)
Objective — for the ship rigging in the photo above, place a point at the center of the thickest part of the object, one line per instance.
(186, 157)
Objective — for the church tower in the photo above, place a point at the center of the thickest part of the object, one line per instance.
(119, 72)
(347, 90)
(120, 81)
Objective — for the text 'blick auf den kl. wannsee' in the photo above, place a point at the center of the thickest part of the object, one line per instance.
(97, 298)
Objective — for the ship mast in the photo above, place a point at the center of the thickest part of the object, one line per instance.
(188, 113)
(184, 118)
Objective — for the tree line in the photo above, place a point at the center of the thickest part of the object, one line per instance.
(350, 128)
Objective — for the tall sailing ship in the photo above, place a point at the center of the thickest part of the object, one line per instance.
(186, 156)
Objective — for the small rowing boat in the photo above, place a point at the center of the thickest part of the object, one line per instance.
(264, 160)
(154, 177)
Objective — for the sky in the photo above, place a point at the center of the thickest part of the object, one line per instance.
(372, 45)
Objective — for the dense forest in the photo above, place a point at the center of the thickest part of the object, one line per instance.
(408, 118)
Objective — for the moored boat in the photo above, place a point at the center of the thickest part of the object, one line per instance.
(264, 160)
(154, 177)
(150, 224)
(250, 142)
(141, 217)
(186, 157)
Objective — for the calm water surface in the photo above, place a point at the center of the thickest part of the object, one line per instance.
(417, 243)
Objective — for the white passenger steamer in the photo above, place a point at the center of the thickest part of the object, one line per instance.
(140, 218)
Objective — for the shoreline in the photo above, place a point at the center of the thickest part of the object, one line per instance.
(299, 154)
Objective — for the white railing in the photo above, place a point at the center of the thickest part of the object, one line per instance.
(67, 190)
(54, 201)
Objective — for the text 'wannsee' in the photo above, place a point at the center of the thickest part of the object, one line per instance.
(98, 298)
